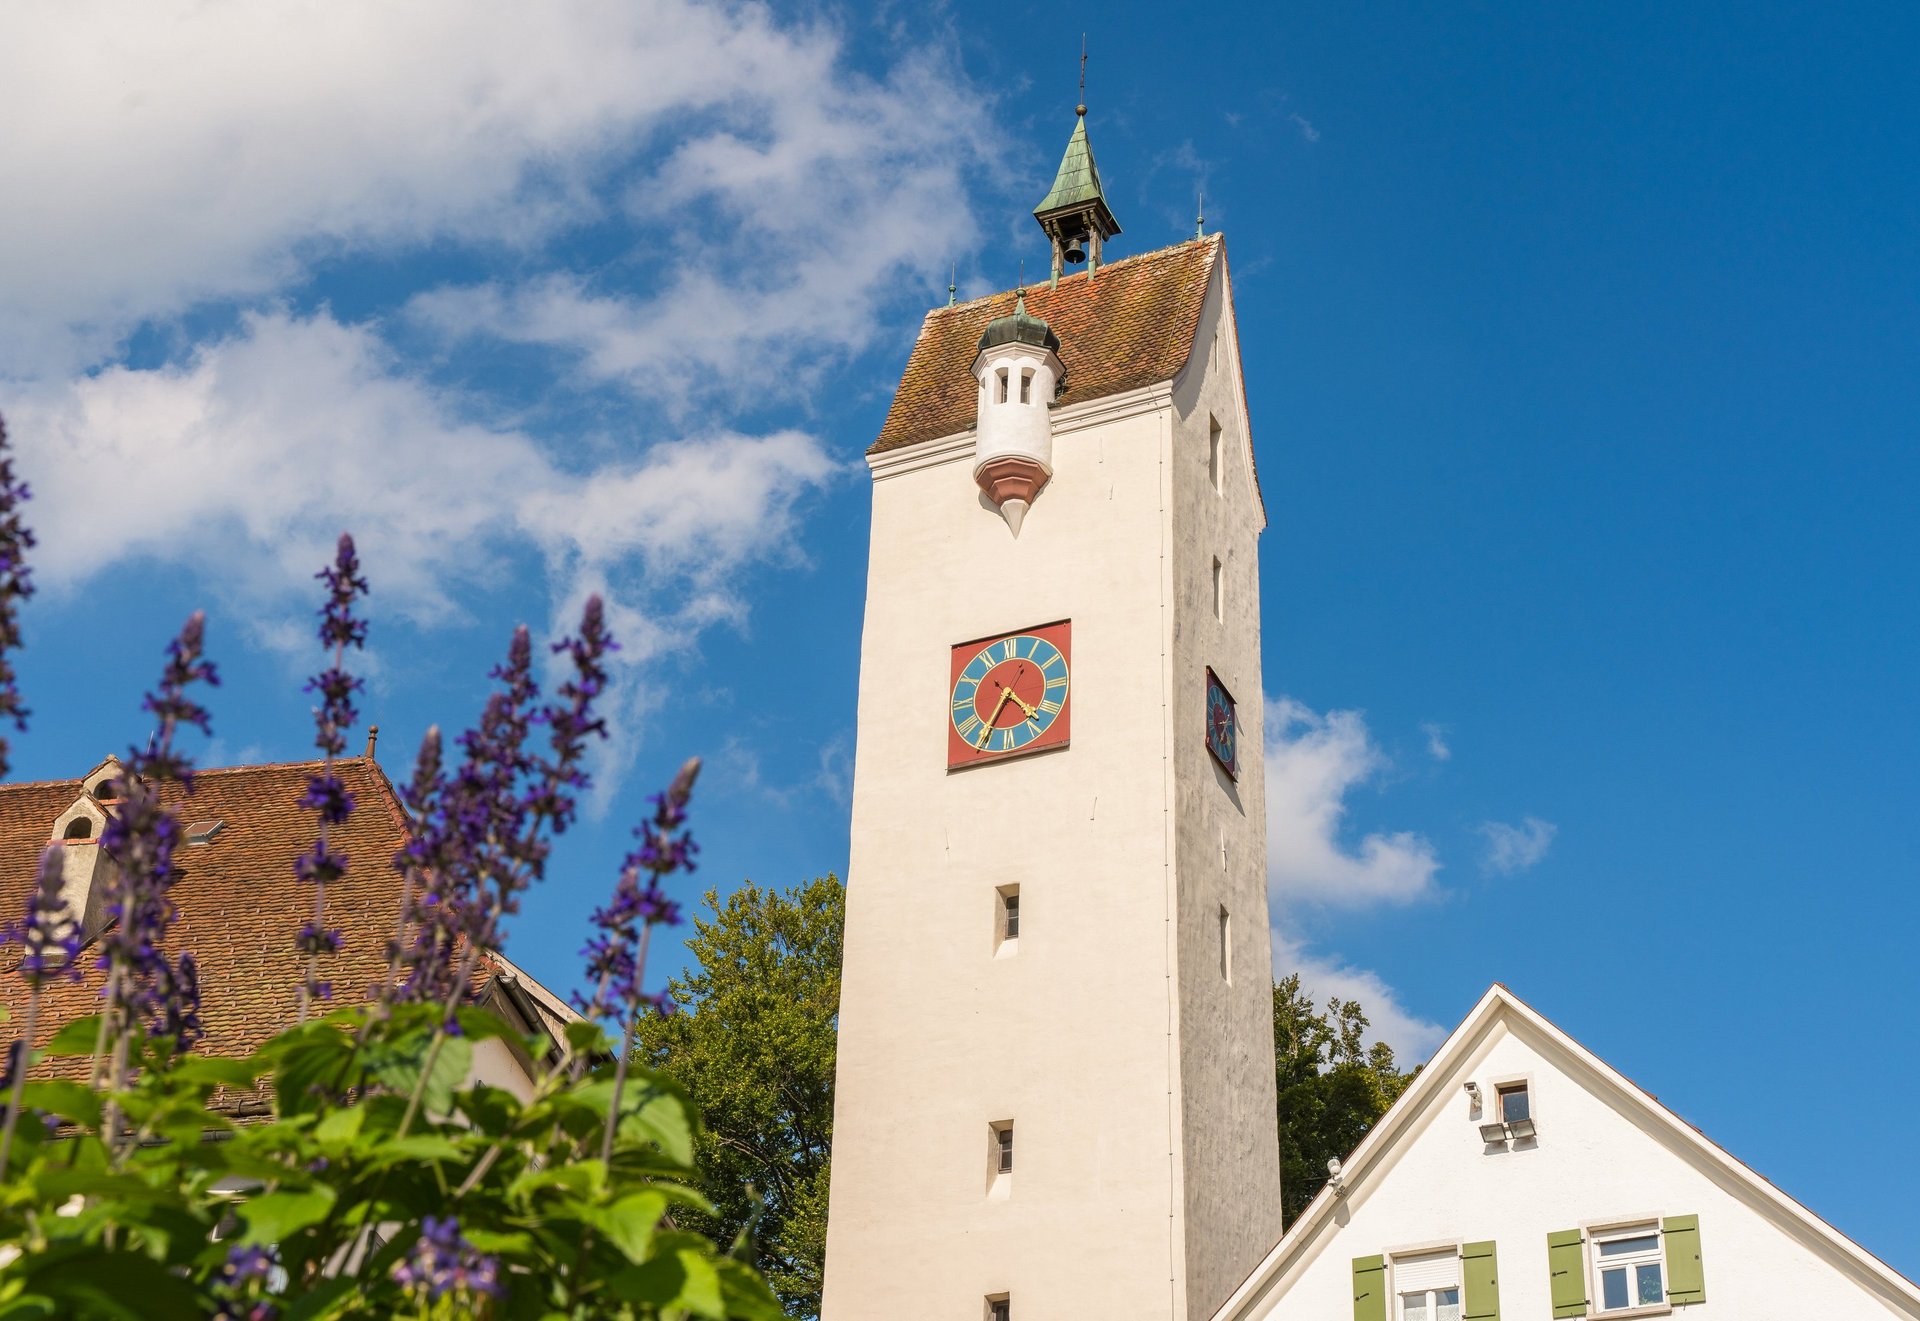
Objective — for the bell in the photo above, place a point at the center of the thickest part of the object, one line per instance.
(1074, 253)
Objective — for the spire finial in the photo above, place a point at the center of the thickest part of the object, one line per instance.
(953, 283)
(1081, 109)
(1200, 219)
(1020, 290)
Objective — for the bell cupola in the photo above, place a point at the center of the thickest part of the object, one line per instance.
(1074, 212)
(1019, 374)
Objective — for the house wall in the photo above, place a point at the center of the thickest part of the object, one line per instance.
(1592, 1163)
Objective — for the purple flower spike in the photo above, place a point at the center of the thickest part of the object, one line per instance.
(16, 585)
(444, 1264)
(50, 934)
(140, 838)
(327, 795)
(615, 955)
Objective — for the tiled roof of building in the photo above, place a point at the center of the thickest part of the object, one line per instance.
(239, 901)
(1130, 324)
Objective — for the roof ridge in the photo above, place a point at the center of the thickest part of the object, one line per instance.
(14, 785)
(1106, 267)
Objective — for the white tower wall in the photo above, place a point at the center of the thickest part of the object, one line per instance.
(1138, 1077)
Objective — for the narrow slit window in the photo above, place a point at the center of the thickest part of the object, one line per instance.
(1006, 923)
(1026, 387)
(1213, 454)
(1219, 590)
(1003, 1148)
(1000, 1308)
(1226, 945)
(1001, 377)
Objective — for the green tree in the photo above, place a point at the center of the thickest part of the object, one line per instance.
(754, 1043)
(1332, 1087)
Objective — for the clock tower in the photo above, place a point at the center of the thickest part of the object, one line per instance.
(1055, 1095)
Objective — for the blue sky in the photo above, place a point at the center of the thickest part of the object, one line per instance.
(1579, 354)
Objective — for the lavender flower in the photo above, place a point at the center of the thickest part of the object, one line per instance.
(51, 939)
(50, 933)
(327, 794)
(480, 840)
(444, 1264)
(614, 956)
(16, 585)
(246, 1269)
(245, 1265)
(141, 838)
(617, 957)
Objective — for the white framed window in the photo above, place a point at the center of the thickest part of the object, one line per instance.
(1629, 1268)
(1213, 454)
(1426, 1287)
(1513, 1102)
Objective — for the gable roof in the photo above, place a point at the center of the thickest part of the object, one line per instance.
(1130, 324)
(240, 903)
(1450, 1066)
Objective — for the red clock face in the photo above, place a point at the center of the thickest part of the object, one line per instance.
(1008, 695)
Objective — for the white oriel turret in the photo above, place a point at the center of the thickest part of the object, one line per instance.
(1019, 371)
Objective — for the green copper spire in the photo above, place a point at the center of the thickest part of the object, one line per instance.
(1074, 212)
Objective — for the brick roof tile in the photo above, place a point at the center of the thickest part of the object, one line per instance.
(1130, 325)
(239, 901)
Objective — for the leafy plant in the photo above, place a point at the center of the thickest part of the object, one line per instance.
(380, 1181)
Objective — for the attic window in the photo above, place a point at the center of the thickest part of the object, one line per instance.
(107, 790)
(202, 832)
(79, 828)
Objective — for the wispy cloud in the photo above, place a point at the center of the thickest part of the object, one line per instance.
(1437, 746)
(1412, 1037)
(1314, 761)
(1511, 848)
(1307, 130)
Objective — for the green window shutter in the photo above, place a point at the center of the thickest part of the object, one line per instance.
(1686, 1280)
(1482, 1279)
(1566, 1261)
(1369, 1289)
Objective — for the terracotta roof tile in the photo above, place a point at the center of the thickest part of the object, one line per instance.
(1132, 324)
(239, 901)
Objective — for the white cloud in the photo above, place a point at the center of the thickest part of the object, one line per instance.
(1313, 763)
(161, 154)
(1437, 746)
(1512, 848)
(1413, 1038)
(1307, 130)
(249, 459)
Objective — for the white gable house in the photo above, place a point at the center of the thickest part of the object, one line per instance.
(1519, 1176)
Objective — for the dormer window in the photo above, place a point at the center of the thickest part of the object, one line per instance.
(78, 828)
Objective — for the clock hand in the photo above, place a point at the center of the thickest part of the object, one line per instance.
(1033, 712)
(987, 732)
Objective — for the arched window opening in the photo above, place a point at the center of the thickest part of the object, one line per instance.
(79, 828)
(1001, 395)
(1026, 387)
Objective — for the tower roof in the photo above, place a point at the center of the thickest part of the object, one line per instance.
(1077, 185)
(1019, 327)
(1132, 325)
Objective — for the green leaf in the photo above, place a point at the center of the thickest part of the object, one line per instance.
(747, 1296)
(28, 1307)
(272, 1217)
(341, 1125)
(77, 1038)
(685, 1279)
(124, 1285)
(662, 1116)
(63, 1097)
(241, 1074)
(629, 1223)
